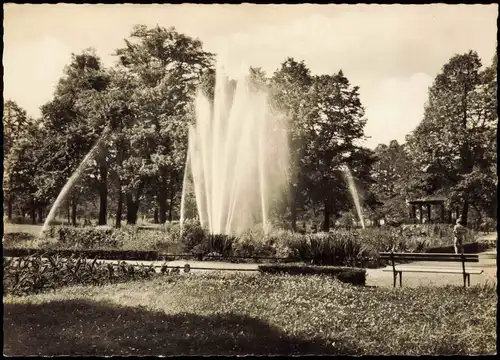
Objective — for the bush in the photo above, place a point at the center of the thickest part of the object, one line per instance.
(216, 245)
(192, 234)
(136, 238)
(34, 274)
(12, 239)
(88, 237)
(253, 243)
(353, 276)
(335, 248)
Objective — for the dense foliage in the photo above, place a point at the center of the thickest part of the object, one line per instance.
(139, 110)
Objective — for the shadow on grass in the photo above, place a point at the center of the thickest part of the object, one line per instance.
(78, 327)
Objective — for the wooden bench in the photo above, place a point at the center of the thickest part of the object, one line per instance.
(398, 269)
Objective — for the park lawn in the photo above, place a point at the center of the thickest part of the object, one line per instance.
(34, 230)
(230, 314)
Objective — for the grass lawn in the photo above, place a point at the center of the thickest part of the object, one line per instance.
(22, 228)
(229, 314)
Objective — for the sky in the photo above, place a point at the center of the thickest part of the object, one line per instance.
(392, 52)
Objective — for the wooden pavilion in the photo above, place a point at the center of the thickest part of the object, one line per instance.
(427, 203)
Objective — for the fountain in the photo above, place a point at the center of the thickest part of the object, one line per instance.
(73, 179)
(237, 156)
(354, 193)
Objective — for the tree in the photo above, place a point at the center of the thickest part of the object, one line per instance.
(334, 122)
(167, 66)
(390, 175)
(456, 139)
(290, 84)
(16, 124)
(22, 167)
(72, 123)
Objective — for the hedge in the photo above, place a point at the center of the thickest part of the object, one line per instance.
(471, 248)
(355, 276)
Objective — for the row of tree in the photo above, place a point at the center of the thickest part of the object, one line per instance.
(453, 151)
(143, 106)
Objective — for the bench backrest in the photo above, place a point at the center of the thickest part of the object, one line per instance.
(429, 257)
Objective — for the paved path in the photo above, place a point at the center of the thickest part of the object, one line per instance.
(375, 277)
(487, 262)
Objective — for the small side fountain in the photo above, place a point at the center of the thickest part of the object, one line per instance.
(73, 179)
(354, 193)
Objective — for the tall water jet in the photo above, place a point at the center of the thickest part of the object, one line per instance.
(238, 156)
(73, 179)
(354, 193)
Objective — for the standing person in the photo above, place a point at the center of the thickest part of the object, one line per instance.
(459, 233)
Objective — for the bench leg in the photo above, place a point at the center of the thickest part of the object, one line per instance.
(394, 277)
(400, 279)
(468, 279)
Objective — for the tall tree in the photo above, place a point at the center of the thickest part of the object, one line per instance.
(16, 125)
(454, 142)
(334, 123)
(167, 66)
(390, 175)
(22, 167)
(290, 83)
(70, 121)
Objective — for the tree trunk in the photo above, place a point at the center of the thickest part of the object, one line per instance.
(326, 214)
(133, 205)
(162, 206)
(293, 209)
(132, 208)
(119, 209)
(155, 217)
(103, 193)
(465, 212)
(170, 206)
(9, 208)
(40, 214)
(68, 212)
(33, 213)
(73, 211)
(479, 218)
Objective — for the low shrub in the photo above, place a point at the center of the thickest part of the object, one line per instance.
(334, 248)
(12, 239)
(215, 244)
(253, 243)
(349, 275)
(89, 237)
(34, 274)
(192, 234)
(26, 240)
(136, 238)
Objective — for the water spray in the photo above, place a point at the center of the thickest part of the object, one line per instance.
(73, 179)
(238, 157)
(354, 193)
